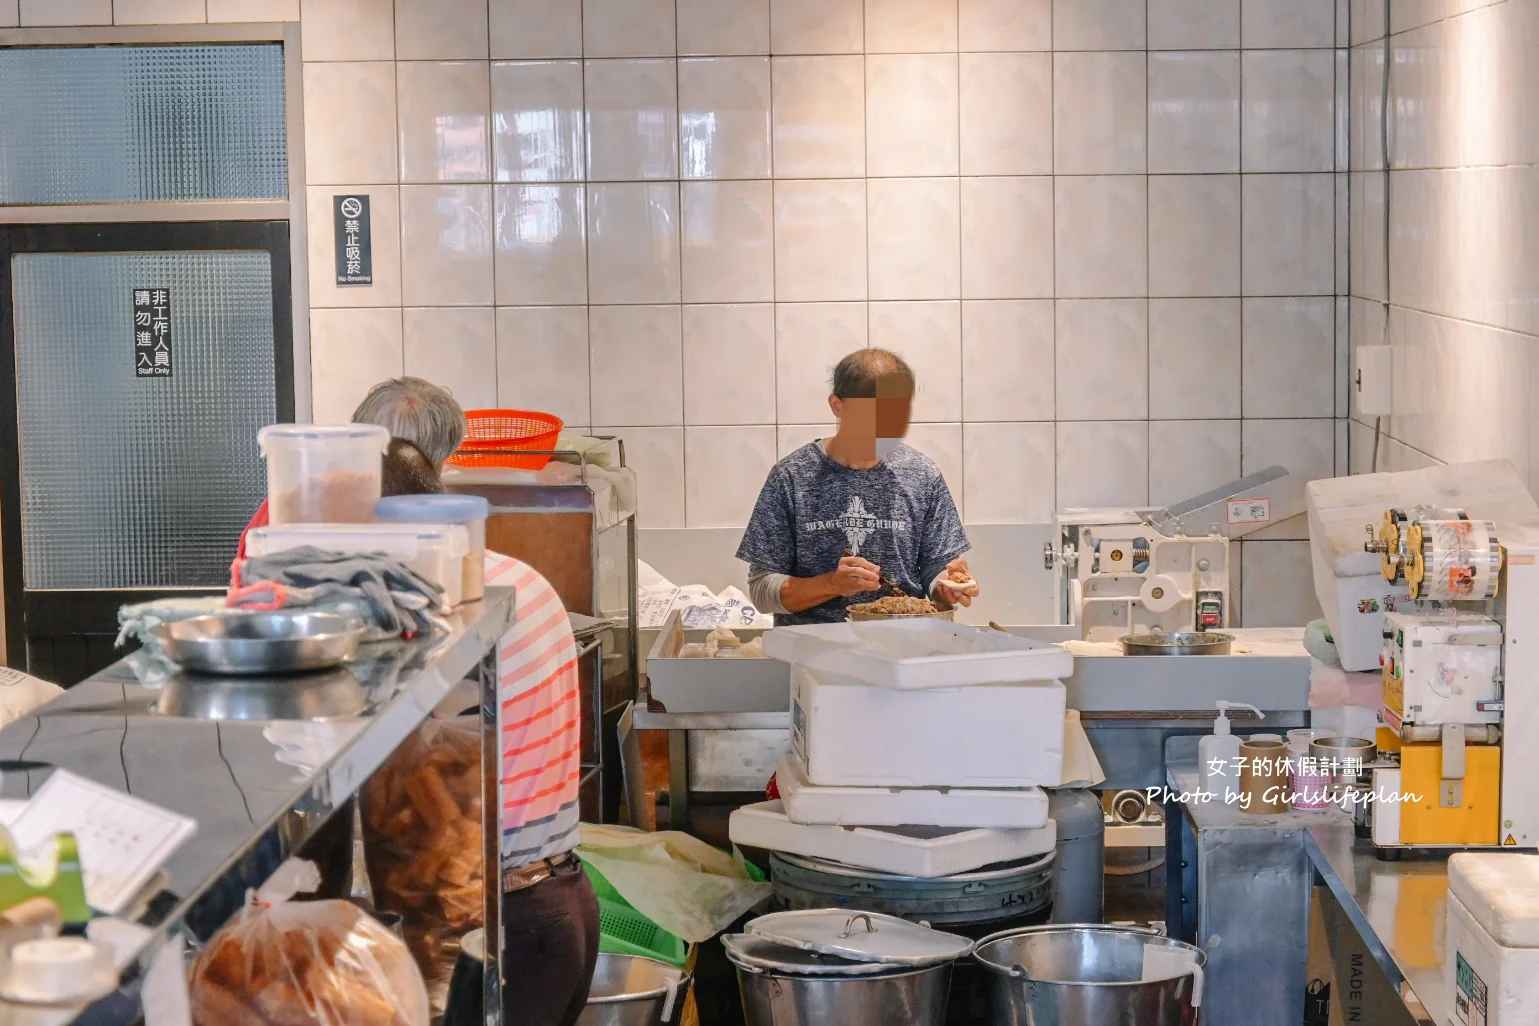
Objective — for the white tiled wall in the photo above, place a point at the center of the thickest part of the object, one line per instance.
(1105, 232)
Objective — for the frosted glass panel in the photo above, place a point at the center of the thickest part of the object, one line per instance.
(118, 124)
(131, 481)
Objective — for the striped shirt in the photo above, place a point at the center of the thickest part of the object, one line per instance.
(540, 718)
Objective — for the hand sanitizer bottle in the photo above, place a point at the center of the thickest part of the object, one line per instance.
(1218, 756)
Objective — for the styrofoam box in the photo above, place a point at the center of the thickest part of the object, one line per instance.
(713, 685)
(1022, 808)
(927, 852)
(435, 551)
(851, 734)
(1478, 972)
(919, 654)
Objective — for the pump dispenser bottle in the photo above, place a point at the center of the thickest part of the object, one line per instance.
(1218, 756)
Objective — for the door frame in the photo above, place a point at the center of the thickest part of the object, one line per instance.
(45, 611)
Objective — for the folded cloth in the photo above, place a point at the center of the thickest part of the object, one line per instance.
(138, 621)
(392, 597)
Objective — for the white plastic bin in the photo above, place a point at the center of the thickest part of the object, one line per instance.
(323, 474)
(435, 551)
(470, 511)
(852, 734)
(1020, 808)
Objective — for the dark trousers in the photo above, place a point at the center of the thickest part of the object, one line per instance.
(550, 944)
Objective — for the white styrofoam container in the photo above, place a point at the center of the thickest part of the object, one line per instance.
(435, 551)
(807, 803)
(851, 734)
(1486, 983)
(918, 654)
(927, 852)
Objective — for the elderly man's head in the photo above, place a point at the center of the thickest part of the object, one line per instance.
(420, 412)
(873, 396)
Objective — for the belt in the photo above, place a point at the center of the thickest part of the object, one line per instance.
(524, 877)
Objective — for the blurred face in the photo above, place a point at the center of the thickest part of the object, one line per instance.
(880, 422)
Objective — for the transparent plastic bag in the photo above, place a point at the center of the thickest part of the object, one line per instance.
(422, 842)
(306, 963)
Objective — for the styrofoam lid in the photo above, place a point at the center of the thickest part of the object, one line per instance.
(445, 509)
(1501, 893)
(759, 953)
(861, 937)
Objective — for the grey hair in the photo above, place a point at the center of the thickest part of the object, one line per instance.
(419, 411)
(856, 375)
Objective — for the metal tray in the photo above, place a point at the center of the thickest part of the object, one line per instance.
(1178, 643)
(260, 644)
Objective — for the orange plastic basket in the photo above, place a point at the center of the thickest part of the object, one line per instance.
(491, 435)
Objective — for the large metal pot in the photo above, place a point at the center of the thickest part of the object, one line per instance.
(628, 990)
(1077, 975)
(914, 997)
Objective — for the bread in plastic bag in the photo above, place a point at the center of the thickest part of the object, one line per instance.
(422, 842)
(306, 963)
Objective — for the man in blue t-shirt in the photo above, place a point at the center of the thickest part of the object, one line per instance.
(839, 512)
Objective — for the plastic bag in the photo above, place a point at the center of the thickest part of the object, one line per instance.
(1319, 643)
(1331, 687)
(682, 884)
(306, 963)
(422, 842)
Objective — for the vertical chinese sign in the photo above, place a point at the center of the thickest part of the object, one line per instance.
(152, 333)
(355, 250)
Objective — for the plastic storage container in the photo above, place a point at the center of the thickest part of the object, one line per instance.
(436, 551)
(322, 474)
(469, 510)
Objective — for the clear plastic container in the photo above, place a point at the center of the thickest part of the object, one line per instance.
(435, 551)
(469, 510)
(323, 474)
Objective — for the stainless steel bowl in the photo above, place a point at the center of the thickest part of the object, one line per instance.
(328, 695)
(1178, 643)
(260, 643)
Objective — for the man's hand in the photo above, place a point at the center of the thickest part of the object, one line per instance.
(854, 576)
(956, 587)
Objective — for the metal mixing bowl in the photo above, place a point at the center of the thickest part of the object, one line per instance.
(1178, 643)
(260, 643)
(328, 695)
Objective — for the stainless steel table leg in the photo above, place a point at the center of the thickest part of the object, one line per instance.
(678, 780)
(491, 835)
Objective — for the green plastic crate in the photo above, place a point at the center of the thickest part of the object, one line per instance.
(624, 931)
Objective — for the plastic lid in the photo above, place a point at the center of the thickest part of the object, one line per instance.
(449, 509)
(59, 969)
(861, 937)
(758, 953)
(328, 432)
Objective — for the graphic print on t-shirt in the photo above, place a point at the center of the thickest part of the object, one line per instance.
(857, 523)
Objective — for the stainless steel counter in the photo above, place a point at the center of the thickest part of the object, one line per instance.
(252, 810)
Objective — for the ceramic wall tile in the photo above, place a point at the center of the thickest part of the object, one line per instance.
(10, 13)
(1100, 236)
(820, 241)
(350, 123)
(929, 337)
(911, 115)
(542, 360)
(728, 242)
(1279, 584)
(724, 117)
(1007, 113)
(385, 218)
(1102, 359)
(445, 121)
(455, 347)
(41, 13)
(1194, 24)
(724, 468)
(914, 227)
(1274, 24)
(227, 11)
(535, 29)
(346, 30)
(633, 242)
(1010, 26)
(790, 437)
(158, 12)
(817, 26)
(1007, 238)
(1099, 24)
(1190, 457)
(819, 117)
(350, 352)
(911, 26)
(1099, 113)
(1290, 359)
(1194, 112)
(633, 119)
(1194, 358)
(446, 245)
(729, 364)
(1194, 235)
(942, 443)
(628, 28)
(1008, 360)
(1306, 447)
(637, 369)
(713, 28)
(1289, 235)
(1008, 471)
(810, 338)
(657, 454)
(542, 245)
(441, 30)
(539, 122)
(1289, 116)
(1103, 464)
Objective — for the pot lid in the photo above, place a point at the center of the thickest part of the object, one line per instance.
(757, 954)
(861, 937)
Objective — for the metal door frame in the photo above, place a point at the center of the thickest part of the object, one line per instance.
(43, 611)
